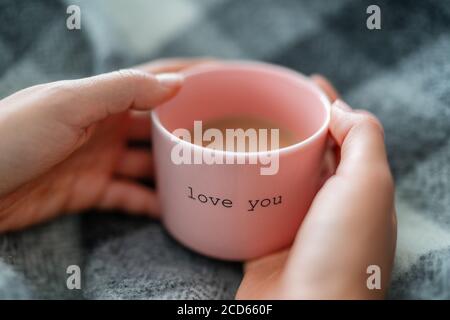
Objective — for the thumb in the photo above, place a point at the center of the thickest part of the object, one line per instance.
(83, 102)
(40, 126)
(360, 136)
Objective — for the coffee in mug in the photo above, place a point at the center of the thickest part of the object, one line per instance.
(233, 204)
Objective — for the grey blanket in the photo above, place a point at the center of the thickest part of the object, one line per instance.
(401, 73)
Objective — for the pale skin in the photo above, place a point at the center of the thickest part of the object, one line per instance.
(350, 225)
(64, 149)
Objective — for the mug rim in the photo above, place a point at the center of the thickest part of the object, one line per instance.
(250, 65)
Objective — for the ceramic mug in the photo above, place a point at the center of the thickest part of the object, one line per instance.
(233, 211)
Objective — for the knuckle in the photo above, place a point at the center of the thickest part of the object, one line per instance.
(132, 74)
(60, 90)
(60, 97)
(133, 78)
(367, 119)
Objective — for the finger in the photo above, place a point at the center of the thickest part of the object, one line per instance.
(353, 207)
(331, 155)
(359, 136)
(135, 163)
(83, 102)
(131, 197)
(329, 163)
(173, 64)
(326, 86)
(140, 126)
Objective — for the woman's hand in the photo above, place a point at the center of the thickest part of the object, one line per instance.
(350, 225)
(64, 148)
(63, 145)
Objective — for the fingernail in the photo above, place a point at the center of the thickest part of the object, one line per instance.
(170, 80)
(342, 105)
(315, 76)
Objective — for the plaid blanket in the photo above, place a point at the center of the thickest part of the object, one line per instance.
(401, 73)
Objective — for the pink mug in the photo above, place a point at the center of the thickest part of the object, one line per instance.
(233, 211)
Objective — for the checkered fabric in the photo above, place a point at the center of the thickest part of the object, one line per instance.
(401, 73)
